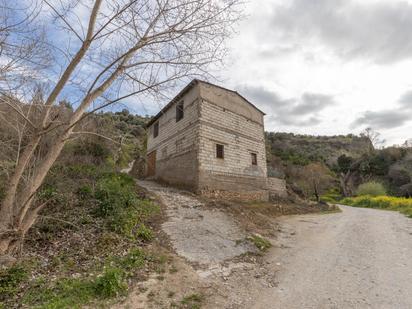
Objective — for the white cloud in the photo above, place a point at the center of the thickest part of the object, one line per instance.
(357, 52)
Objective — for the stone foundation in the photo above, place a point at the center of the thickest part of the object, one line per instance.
(236, 196)
(232, 186)
(277, 188)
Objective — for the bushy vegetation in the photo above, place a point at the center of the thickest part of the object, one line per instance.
(111, 281)
(343, 162)
(110, 212)
(296, 157)
(371, 188)
(89, 243)
(331, 196)
(10, 280)
(403, 205)
(261, 243)
(125, 213)
(193, 301)
(304, 149)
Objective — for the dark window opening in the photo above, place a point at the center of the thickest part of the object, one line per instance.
(156, 129)
(254, 158)
(220, 151)
(180, 113)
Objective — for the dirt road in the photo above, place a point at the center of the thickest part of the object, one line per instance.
(360, 258)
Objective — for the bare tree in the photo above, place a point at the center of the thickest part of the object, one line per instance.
(407, 143)
(374, 137)
(124, 48)
(22, 49)
(315, 179)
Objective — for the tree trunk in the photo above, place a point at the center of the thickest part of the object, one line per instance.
(23, 214)
(15, 217)
(315, 189)
(345, 183)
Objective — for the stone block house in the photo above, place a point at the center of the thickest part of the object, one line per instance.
(210, 140)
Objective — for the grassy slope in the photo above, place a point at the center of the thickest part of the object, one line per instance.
(90, 244)
(95, 237)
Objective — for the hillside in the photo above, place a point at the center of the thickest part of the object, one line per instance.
(337, 163)
(285, 149)
(94, 238)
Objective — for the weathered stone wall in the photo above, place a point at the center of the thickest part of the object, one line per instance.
(239, 127)
(277, 187)
(177, 143)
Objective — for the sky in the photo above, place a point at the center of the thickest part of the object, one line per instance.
(326, 67)
(322, 67)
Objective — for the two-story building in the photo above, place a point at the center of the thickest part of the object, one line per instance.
(211, 140)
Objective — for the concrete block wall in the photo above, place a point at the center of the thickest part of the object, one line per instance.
(179, 170)
(240, 136)
(186, 150)
(231, 101)
(176, 145)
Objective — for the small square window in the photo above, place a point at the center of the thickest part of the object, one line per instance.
(220, 151)
(156, 129)
(254, 158)
(180, 112)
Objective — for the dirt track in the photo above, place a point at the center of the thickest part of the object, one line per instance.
(360, 258)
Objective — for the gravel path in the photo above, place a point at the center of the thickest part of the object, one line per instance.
(201, 235)
(360, 258)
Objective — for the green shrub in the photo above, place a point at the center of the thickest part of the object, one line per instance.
(85, 192)
(193, 301)
(81, 171)
(118, 202)
(135, 259)
(65, 293)
(261, 243)
(96, 150)
(124, 221)
(371, 188)
(111, 283)
(145, 233)
(114, 192)
(75, 292)
(332, 196)
(48, 192)
(10, 280)
(2, 191)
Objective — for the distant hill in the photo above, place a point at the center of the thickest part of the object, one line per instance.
(298, 157)
(304, 149)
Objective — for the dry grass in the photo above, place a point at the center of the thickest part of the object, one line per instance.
(257, 216)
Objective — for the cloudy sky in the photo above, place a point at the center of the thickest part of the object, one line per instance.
(327, 66)
(322, 67)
